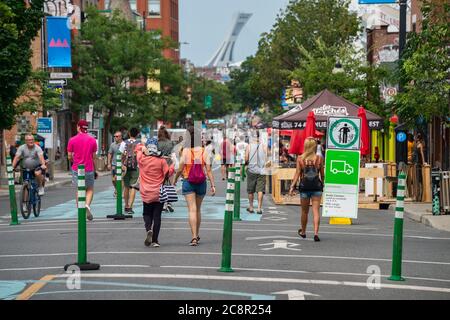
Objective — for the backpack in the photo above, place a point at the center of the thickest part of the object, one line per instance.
(196, 174)
(131, 159)
(310, 180)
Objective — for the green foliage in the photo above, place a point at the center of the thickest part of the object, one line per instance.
(19, 25)
(294, 37)
(425, 67)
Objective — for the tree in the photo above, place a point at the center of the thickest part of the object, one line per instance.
(19, 25)
(425, 67)
(294, 36)
(113, 58)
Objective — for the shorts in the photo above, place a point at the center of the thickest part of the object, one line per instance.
(310, 194)
(89, 177)
(130, 178)
(198, 189)
(256, 182)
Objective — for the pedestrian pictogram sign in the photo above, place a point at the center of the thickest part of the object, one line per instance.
(340, 196)
(343, 133)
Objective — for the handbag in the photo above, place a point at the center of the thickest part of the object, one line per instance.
(167, 193)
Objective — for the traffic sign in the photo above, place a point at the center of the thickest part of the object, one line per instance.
(340, 196)
(343, 133)
(61, 82)
(61, 75)
(401, 136)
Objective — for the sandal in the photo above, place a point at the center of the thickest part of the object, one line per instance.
(250, 211)
(300, 233)
(198, 239)
(194, 242)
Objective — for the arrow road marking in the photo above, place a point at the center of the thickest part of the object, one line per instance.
(296, 294)
(280, 244)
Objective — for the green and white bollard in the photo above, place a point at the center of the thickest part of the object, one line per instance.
(12, 192)
(228, 224)
(119, 214)
(237, 192)
(82, 262)
(396, 274)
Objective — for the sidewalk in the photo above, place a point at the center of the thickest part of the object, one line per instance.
(60, 178)
(421, 212)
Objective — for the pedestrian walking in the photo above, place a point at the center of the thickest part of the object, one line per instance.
(209, 149)
(166, 147)
(153, 170)
(117, 146)
(241, 147)
(130, 166)
(311, 173)
(194, 167)
(81, 149)
(227, 152)
(256, 162)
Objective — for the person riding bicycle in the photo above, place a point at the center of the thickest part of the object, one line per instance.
(33, 160)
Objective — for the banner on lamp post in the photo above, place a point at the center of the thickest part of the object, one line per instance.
(58, 42)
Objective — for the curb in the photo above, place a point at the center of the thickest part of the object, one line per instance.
(53, 185)
(440, 222)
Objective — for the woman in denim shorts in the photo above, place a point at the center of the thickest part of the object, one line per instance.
(309, 162)
(193, 152)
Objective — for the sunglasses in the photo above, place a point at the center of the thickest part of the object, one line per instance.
(116, 136)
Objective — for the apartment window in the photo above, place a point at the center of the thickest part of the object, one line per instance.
(133, 5)
(154, 7)
(107, 4)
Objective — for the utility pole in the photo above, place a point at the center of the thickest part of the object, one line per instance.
(402, 34)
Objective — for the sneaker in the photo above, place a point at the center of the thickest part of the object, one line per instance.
(24, 207)
(89, 215)
(155, 245)
(130, 211)
(41, 191)
(148, 239)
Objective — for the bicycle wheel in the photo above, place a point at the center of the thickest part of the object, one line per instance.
(25, 205)
(37, 204)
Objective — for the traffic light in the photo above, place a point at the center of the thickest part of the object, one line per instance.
(208, 101)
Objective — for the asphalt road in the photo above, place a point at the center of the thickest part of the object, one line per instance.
(269, 260)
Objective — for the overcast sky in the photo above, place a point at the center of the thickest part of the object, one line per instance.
(205, 23)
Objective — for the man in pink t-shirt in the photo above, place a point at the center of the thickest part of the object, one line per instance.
(81, 150)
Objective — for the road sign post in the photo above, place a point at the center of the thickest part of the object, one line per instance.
(340, 196)
(12, 192)
(119, 210)
(82, 263)
(228, 224)
(397, 246)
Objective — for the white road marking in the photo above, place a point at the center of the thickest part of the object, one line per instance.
(280, 244)
(296, 294)
(15, 230)
(302, 271)
(62, 267)
(218, 254)
(256, 279)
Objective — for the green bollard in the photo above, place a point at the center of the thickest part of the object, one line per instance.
(237, 193)
(12, 192)
(119, 214)
(82, 262)
(396, 274)
(228, 224)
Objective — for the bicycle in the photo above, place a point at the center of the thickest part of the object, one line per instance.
(29, 195)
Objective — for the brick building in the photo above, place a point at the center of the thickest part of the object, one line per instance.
(157, 15)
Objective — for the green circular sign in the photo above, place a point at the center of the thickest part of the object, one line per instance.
(342, 144)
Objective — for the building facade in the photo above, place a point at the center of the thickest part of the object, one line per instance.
(157, 15)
